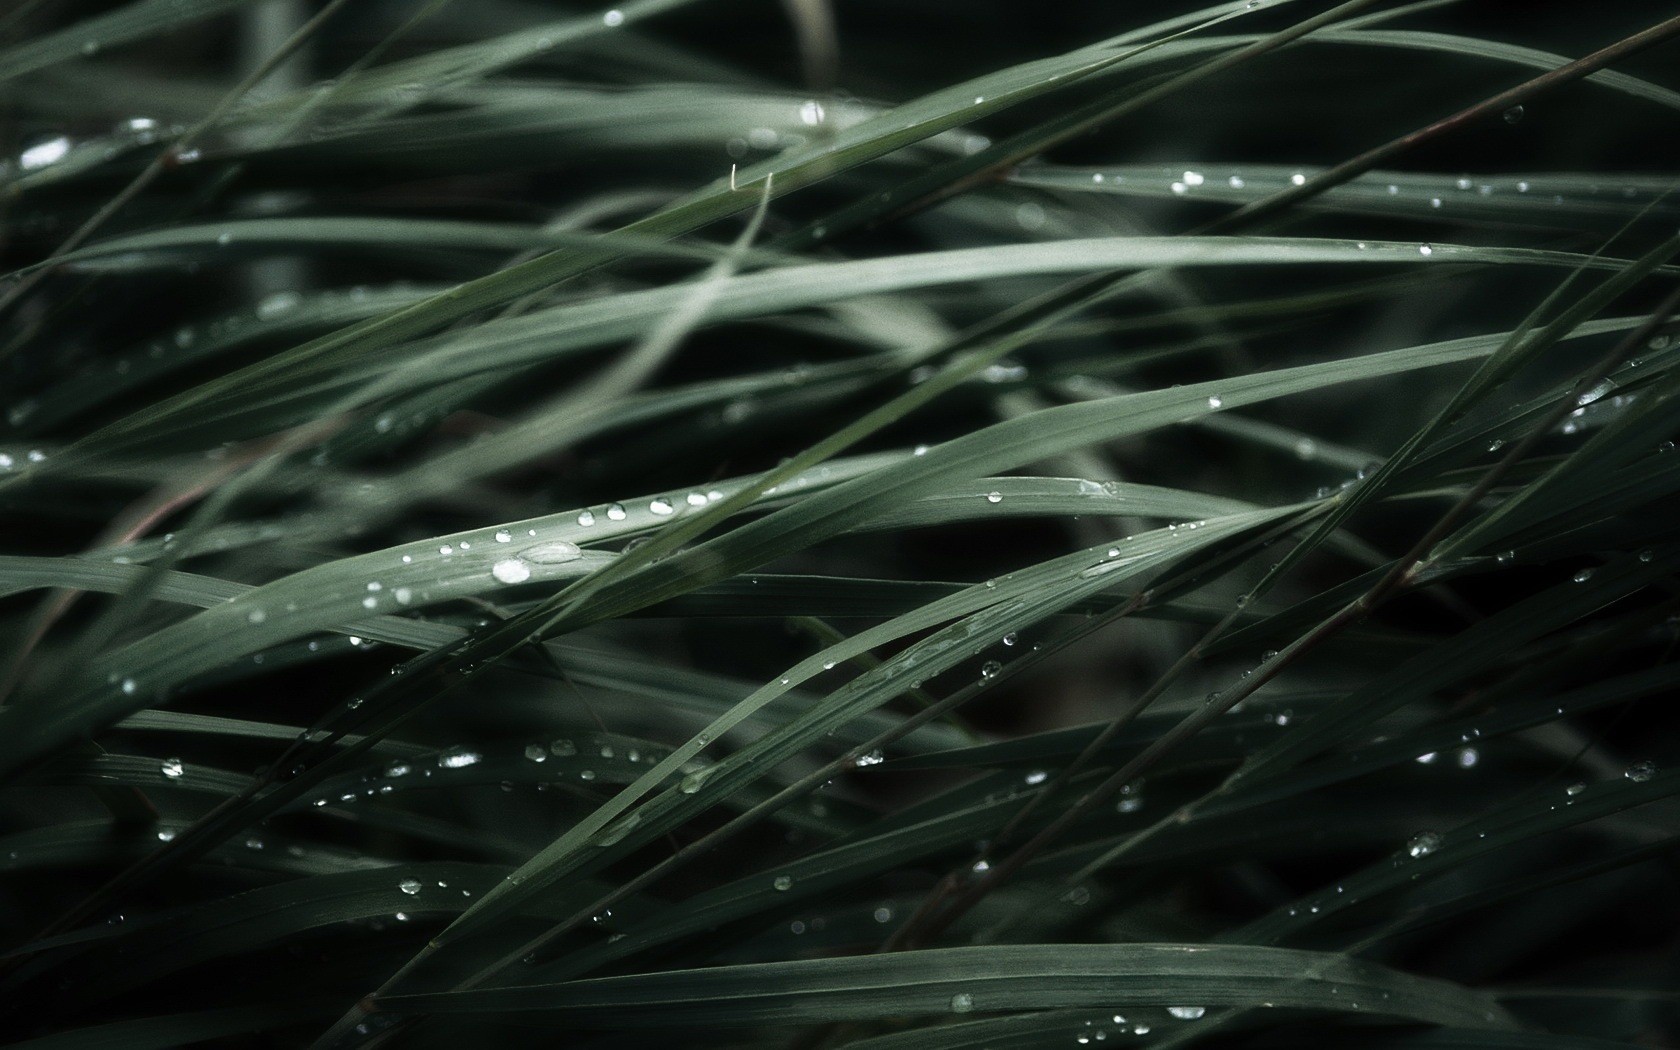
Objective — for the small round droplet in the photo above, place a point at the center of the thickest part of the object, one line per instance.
(616, 512)
(782, 882)
(1187, 1013)
(991, 669)
(1640, 772)
(1215, 401)
(994, 497)
(511, 570)
(173, 768)
(1424, 249)
(1583, 576)
(1423, 844)
(962, 1003)
(1513, 115)
(661, 506)
(615, 17)
(503, 535)
(586, 518)
(536, 753)
(410, 887)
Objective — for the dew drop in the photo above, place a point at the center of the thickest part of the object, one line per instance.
(1640, 772)
(554, 553)
(410, 887)
(1513, 115)
(172, 768)
(990, 669)
(782, 882)
(616, 512)
(994, 497)
(1423, 844)
(536, 753)
(1215, 401)
(511, 570)
(612, 18)
(962, 1003)
(1187, 1013)
(661, 506)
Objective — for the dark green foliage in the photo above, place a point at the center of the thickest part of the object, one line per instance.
(1117, 524)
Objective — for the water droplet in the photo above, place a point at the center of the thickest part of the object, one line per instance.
(410, 887)
(1574, 789)
(554, 553)
(536, 753)
(615, 17)
(1193, 178)
(883, 914)
(1423, 844)
(994, 497)
(811, 113)
(1583, 576)
(661, 506)
(44, 153)
(1424, 249)
(1298, 179)
(1010, 639)
(459, 759)
(256, 616)
(1640, 772)
(1215, 401)
(511, 570)
(873, 758)
(129, 685)
(1187, 1013)
(1468, 757)
(172, 768)
(1037, 776)
(962, 1003)
(990, 669)
(616, 512)
(1513, 115)
(782, 882)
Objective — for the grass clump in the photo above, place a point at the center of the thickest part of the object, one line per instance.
(799, 527)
